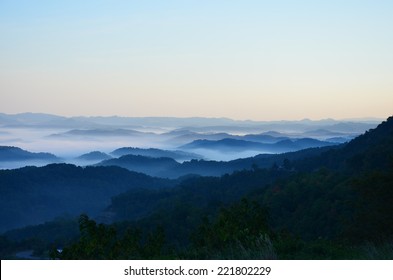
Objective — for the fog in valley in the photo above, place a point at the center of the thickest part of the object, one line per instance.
(209, 139)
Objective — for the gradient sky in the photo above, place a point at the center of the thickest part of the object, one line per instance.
(260, 60)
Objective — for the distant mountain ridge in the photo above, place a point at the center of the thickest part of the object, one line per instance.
(94, 156)
(47, 120)
(373, 148)
(147, 165)
(329, 199)
(332, 156)
(281, 146)
(33, 195)
(156, 153)
(99, 132)
(169, 168)
(345, 192)
(69, 136)
(8, 153)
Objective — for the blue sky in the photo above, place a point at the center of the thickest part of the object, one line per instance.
(261, 60)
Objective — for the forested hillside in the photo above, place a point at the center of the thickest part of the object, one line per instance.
(335, 204)
(33, 195)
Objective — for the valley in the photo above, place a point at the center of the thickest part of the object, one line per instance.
(293, 190)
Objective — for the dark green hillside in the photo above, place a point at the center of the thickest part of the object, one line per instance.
(33, 195)
(370, 151)
(328, 203)
(346, 192)
(148, 165)
(179, 209)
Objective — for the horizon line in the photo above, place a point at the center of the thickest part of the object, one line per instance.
(367, 118)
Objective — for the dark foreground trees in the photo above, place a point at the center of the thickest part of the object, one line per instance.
(102, 242)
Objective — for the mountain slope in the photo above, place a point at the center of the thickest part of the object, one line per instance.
(237, 145)
(34, 195)
(94, 156)
(320, 212)
(100, 133)
(325, 203)
(155, 153)
(148, 165)
(8, 153)
(169, 168)
(371, 150)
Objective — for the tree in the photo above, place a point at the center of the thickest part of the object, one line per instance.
(101, 242)
(242, 228)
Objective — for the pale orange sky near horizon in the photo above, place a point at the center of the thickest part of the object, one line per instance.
(259, 60)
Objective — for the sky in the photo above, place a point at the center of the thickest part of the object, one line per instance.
(258, 60)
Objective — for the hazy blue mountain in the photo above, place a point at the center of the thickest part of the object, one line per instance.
(185, 136)
(353, 193)
(339, 139)
(147, 165)
(274, 134)
(7, 120)
(290, 127)
(94, 156)
(294, 198)
(304, 143)
(33, 195)
(203, 125)
(109, 133)
(226, 144)
(264, 138)
(38, 120)
(270, 137)
(324, 132)
(178, 132)
(235, 145)
(28, 119)
(169, 168)
(100, 133)
(160, 121)
(325, 194)
(155, 153)
(8, 153)
(351, 127)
